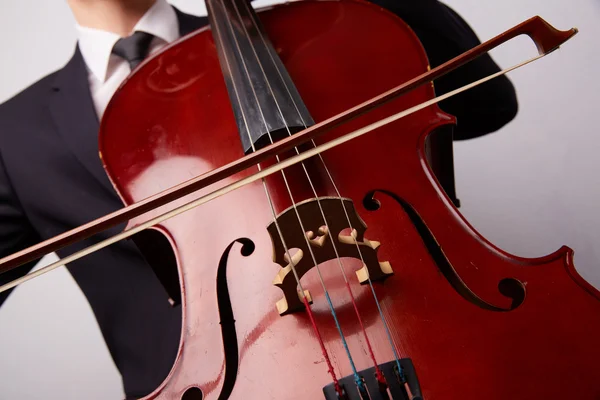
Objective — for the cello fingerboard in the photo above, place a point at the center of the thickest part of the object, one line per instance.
(265, 102)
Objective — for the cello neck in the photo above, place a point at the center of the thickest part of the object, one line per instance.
(265, 102)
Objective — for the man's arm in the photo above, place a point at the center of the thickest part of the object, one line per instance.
(445, 35)
(15, 231)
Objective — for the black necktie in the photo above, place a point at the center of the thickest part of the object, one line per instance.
(133, 48)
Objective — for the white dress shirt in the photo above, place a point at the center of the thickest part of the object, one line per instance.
(106, 71)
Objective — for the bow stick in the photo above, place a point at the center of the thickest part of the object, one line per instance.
(546, 38)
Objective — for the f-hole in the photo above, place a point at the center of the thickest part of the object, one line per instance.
(227, 320)
(508, 287)
(193, 393)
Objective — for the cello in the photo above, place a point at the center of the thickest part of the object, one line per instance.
(347, 273)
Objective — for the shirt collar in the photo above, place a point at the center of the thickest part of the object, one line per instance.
(96, 45)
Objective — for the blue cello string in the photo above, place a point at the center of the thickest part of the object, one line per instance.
(357, 379)
(380, 311)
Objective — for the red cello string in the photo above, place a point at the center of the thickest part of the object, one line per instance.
(378, 373)
(380, 377)
(309, 310)
(336, 383)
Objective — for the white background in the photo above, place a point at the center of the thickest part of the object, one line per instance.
(529, 188)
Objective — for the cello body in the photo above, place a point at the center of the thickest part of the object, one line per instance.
(476, 322)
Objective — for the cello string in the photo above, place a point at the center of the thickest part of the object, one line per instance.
(308, 245)
(392, 343)
(379, 374)
(296, 276)
(371, 353)
(253, 178)
(330, 368)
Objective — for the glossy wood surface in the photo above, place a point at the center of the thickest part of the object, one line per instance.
(172, 121)
(545, 37)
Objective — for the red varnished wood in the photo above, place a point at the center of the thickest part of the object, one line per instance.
(546, 38)
(172, 121)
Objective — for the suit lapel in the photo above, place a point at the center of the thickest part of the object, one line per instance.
(72, 107)
(73, 111)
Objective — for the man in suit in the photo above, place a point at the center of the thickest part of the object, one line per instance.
(51, 179)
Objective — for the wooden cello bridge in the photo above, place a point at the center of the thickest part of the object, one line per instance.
(341, 217)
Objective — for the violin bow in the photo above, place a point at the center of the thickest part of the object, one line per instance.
(545, 36)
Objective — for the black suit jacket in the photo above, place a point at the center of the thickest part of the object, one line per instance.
(51, 180)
